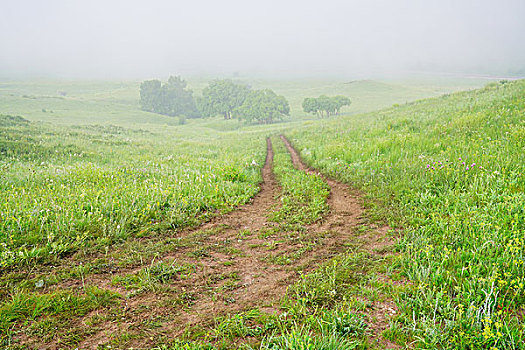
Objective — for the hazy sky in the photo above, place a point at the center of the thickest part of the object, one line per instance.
(105, 38)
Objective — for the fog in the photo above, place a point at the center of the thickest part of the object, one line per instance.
(136, 39)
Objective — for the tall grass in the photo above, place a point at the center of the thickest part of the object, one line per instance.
(451, 172)
(64, 188)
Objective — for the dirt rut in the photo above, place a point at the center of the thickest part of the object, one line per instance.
(236, 268)
(346, 210)
(235, 262)
(346, 217)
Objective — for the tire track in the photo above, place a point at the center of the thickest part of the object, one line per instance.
(231, 270)
(230, 274)
(234, 273)
(346, 217)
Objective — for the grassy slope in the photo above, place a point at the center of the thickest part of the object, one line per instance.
(451, 172)
(64, 188)
(117, 103)
(385, 153)
(366, 95)
(84, 103)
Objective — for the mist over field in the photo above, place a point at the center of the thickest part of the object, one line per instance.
(262, 175)
(136, 39)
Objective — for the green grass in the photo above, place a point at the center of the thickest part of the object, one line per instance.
(104, 175)
(67, 188)
(303, 340)
(304, 197)
(117, 103)
(154, 277)
(54, 308)
(450, 171)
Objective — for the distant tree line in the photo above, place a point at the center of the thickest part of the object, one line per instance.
(324, 106)
(220, 97)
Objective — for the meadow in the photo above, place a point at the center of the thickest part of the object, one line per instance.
(101, 206)
(90, 186)
(450, 173)
(117, 103)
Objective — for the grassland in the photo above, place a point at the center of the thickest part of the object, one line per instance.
(117, 103)
(450, 172)
(90, 186)
(101, 205)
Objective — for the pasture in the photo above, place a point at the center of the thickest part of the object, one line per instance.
(398, 223)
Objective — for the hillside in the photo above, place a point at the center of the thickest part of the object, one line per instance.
(449, 173)
(117, 103)
(398, 227)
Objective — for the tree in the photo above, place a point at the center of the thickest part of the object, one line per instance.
(324, 105)
(263, 106)
(177, 100)
(221, 97)
(150, 94)
(171, 98)
(341, 101)
(310, 106)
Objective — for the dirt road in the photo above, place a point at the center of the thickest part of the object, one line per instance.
(228, 265)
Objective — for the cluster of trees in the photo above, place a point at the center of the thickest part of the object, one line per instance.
(220, 97)
(171, 98)
(224, 97)
(325, 105)
(263, 106)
